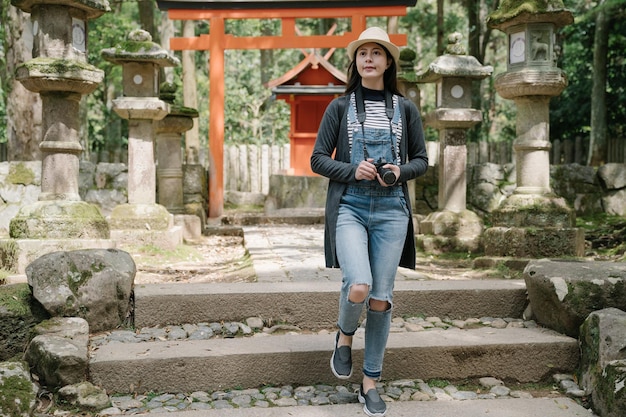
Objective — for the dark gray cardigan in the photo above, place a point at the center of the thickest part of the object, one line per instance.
(333, 135)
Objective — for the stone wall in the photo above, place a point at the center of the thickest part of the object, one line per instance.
(588, 190)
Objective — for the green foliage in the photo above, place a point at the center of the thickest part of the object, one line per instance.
(15, 298)
(107, 131)
(570, 113)
(253, 116)
(606, 234)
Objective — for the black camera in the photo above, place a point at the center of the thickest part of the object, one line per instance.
(386, 174)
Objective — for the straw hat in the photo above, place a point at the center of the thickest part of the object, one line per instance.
(376, 35)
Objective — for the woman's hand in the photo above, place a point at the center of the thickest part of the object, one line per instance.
(366, 170)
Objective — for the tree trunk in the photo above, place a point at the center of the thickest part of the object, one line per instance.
(267, 55)
(473, 22)
(598, 141)
(440, 45)
(392, 24)
(190, 96)
(166, 32)
(24, 128)
(146, 17)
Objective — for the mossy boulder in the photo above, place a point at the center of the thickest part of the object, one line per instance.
(603, 361)
(94, 284)
(58, 353)
(563, 293)
(18, 314)
(18, 393)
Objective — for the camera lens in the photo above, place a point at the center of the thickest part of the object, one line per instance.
(387, 175)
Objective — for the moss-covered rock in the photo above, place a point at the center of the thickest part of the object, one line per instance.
(94, 284)
(18, 314)
(563, 293)
(85, 395)
(59, 219)
(603, 361)
(17, 392)
(20, 173)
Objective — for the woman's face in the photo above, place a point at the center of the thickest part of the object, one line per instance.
(371, 63)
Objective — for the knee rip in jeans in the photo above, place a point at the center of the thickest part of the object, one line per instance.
(380, 306)
(358, 293)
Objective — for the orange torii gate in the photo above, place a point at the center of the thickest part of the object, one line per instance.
(288, 11)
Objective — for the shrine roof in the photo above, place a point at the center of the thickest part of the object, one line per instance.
(276, 4)
(312, 60)
(303, 90)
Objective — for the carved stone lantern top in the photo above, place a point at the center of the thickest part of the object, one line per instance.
(92, 8)
(139, 48)
(454, 63)
(453, 73)
(531, 27)
(515, 12)
(167, 93)
(141, 60)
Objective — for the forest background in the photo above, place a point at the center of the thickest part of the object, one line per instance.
(592, 54)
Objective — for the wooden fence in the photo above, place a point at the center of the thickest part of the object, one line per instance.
(247, 168)
(576, 150)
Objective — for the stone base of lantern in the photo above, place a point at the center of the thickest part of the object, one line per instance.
(59, 219)
(448, 231)
(533, 242)
(144, 224)
(191, 226)
(534, 226)
(17, 254)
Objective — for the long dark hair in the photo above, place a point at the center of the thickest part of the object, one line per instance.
(390, 77)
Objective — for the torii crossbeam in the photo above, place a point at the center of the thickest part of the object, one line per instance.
(217, 41)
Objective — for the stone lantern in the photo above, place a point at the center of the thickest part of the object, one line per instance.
(532, 222)
(170, 142)
(407, 77)
(409, 88)
(452, 227)
(142, 218)
(60, 73)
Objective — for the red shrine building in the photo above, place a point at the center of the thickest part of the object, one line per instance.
(308, 88)
(217, 41)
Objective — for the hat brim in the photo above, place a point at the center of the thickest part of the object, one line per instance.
(354, 45)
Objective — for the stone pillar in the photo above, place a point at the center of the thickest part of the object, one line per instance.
(409, 88)
(170, 142)
(60, 73)
(142, 220)
(452, 227)
(533, 222)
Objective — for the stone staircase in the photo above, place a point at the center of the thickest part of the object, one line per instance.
(302, 358)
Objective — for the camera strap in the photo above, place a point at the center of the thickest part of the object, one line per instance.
(361, 115)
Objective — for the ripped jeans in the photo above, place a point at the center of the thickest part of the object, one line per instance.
(371, 230)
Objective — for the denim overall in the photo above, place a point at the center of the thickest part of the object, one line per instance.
(371, 230)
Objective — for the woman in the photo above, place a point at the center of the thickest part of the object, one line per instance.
(378, 143)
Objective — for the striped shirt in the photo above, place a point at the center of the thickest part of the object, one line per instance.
(376, 115)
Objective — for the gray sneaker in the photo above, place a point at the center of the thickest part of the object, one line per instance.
(341, 361)
(373, 405)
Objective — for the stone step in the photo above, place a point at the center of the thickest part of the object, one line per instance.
(313, 305)
(511, 354)
(511, 407)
